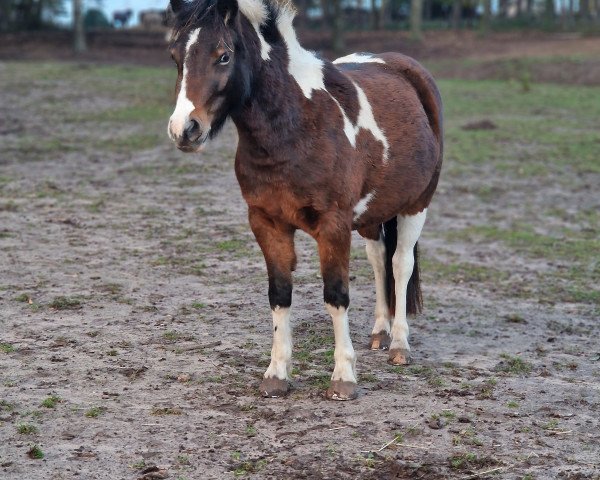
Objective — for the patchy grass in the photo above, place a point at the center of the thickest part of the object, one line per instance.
(7, 348)
(65, 303)
(27, 429)
(51, 401)
(35, 453)
(514, 365)
(95, 412)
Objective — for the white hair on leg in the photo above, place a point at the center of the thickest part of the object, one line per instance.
(345, 358)
(281, 353)
(409, 231)
(376, 255)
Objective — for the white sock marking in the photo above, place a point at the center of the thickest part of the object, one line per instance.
(409, 231)
(281, 353)
(358, 58)
(345, 358)
(184, 105)
(376, 255)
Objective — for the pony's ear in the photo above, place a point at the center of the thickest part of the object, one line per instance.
(227, 9)
(176, 5)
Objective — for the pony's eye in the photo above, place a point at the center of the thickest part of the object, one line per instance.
(224, 59)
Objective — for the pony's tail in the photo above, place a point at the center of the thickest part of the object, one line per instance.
(414, 298)
(390, 238)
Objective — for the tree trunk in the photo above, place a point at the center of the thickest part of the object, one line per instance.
(374, 15)
(337, 32)
(416, 14)
(79, 34)
(383, 15)
(585, 12)
(456, 14)
(549, 12)
(530, 8)
(486, 17)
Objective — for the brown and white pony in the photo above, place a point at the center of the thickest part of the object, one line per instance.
(324, 147)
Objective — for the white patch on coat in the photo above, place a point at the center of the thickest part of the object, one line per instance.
(184, 106)
(349, 129)
(303, 66)
(254, 10)
(367, 121)
(281, 353)
(362, 205)
(409, 231)
(344, 356)
(359, 58)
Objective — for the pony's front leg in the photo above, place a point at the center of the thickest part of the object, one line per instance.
(276, 241)
(334, 253)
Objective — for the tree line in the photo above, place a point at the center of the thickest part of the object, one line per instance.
(339, 16)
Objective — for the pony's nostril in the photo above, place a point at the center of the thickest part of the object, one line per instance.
(193, 132)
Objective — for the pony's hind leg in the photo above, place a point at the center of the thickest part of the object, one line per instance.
(380, 336)
(403, 261)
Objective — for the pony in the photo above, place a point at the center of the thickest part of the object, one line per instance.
(326, 147)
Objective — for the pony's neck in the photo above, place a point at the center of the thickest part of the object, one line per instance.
(285, 75)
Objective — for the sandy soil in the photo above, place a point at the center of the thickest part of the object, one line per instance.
(132, 291)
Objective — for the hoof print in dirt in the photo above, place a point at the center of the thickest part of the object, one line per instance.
(274, 387)
(380, 341)
(341, 391)
(399, 356)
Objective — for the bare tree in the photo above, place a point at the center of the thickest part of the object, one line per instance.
(416, 15)
(486, 18)
(337, 24)
(456, 13)
(79, 34)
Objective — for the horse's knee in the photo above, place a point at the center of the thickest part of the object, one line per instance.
(335, 292)
(280, 291)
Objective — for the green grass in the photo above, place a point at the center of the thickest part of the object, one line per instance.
(35, 453)
(514, 365)
(6, 348)
(94, 412)
(65, 303)
(51, 401)
(27, 429)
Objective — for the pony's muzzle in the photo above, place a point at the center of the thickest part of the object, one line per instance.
(191, 137)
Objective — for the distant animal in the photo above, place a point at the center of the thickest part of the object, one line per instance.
(325, 147)
(121, 17)
(153, 19)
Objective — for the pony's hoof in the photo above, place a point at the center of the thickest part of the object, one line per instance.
(399, 356)
(380, 341)
(274, 387)
(340, 390)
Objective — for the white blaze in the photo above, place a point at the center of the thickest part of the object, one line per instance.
(184, 105)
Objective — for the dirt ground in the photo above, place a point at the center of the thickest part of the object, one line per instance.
(135, 327)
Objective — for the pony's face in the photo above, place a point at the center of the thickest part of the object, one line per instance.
(209, 59)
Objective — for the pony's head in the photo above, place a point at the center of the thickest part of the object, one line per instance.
(214, 68)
